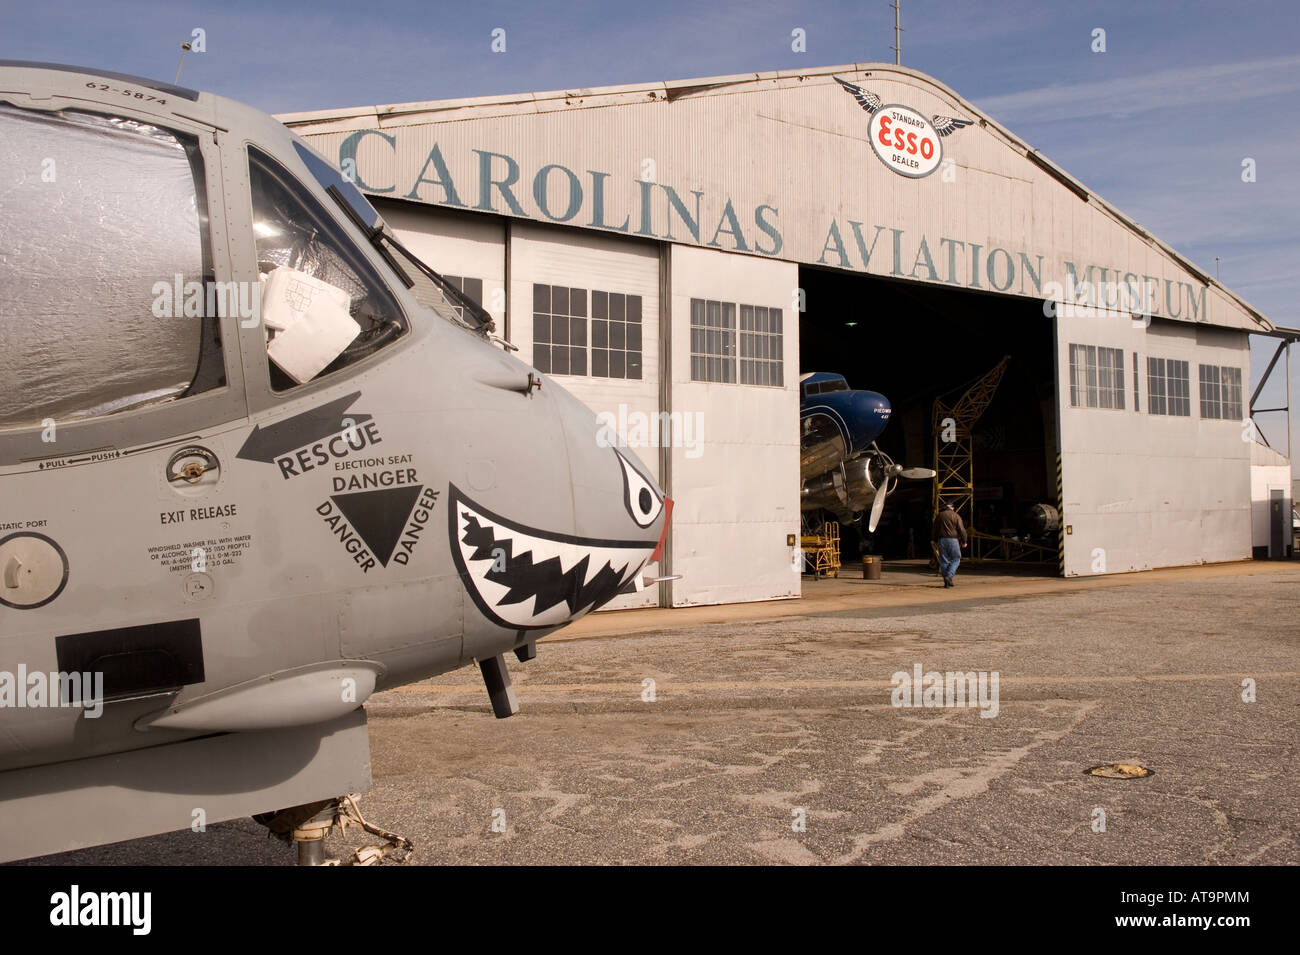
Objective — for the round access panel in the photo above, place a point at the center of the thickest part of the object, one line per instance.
(33, 571)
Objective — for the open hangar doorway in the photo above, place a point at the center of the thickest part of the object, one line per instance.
(914, 342)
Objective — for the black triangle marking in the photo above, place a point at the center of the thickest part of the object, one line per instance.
(379, 516)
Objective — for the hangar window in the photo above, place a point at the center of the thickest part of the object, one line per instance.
(472, 289)
(1096, 377)
(1168, 387)
(1231, 378)
(1220, 392)
(615, 335)
(106, 288)
(1136, 404)
(560, 329)
(323, 306)
(713, 341)
(761, 359)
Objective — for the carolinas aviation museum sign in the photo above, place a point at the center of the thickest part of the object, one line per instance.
(808, 198)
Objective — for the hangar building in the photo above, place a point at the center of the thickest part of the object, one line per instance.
(679, 254)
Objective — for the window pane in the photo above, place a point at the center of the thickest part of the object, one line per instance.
(1231, 378)
(294, 232)
(1074, 375)
(82, 331)
(1117, 364)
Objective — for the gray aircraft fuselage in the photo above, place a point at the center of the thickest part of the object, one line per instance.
(251, 552)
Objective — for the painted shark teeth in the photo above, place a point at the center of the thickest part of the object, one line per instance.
(523, 578)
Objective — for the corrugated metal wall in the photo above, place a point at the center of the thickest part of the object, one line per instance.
(782, 168)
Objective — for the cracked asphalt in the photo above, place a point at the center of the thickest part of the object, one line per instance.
(772, 737)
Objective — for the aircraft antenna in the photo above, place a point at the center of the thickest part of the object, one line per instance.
(185, 48)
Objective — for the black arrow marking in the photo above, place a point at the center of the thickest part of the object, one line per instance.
(267, 444)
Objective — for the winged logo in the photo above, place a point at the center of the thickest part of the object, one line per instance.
(904, 140)
(943, 125)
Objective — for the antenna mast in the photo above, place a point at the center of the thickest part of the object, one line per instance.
(898, 32)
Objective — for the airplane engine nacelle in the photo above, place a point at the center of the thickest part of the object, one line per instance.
(850, 488)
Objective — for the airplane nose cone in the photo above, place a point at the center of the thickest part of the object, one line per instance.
(870, 415)
(615, 495)
(594, 520)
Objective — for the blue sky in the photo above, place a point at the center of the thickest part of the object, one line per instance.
(1158, 124)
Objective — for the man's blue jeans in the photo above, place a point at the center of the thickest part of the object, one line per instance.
(949, 555)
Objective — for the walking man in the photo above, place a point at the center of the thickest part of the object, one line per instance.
(950, 535)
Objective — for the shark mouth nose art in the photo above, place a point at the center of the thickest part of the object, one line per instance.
(523, 578)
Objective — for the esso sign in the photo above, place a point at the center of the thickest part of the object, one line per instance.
(905, 141)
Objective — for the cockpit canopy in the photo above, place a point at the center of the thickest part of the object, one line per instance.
(820, 383)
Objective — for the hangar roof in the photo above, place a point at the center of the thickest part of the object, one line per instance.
(781, 163)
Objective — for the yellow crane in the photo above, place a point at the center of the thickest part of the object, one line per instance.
(954, 448)
(954, 482)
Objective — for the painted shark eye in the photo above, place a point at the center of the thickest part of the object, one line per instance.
(642, 500)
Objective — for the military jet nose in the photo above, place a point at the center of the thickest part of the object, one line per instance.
(615, 495)
(597, 521)
(870, 414)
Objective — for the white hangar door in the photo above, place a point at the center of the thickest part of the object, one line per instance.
(584, 309)
(735, 392)
(1154, 469)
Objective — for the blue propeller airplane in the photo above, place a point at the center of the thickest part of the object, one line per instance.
(841, 468)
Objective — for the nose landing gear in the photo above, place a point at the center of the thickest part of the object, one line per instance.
(307, 826)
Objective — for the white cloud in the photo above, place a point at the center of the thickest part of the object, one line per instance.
(1200, 86)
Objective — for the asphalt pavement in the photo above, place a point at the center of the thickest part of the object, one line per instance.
(783, 733)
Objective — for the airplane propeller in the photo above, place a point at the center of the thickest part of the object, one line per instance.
(878, 506)
(892, 472)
